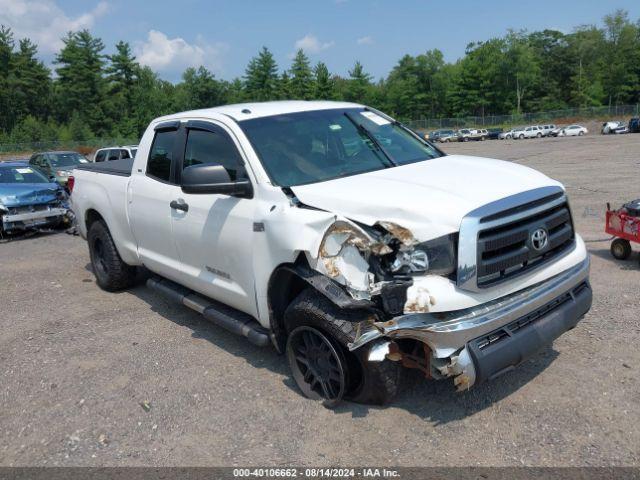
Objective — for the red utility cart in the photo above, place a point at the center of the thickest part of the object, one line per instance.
(625, 226)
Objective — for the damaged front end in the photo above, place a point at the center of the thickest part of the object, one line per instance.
(380, 263)
(383, 264)
(386, 265)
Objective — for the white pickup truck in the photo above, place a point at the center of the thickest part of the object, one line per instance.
(342, 238)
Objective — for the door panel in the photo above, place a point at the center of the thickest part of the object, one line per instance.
(214, 237)
(150, 209)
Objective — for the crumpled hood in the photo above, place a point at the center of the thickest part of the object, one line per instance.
(15, 195)
(429, 198)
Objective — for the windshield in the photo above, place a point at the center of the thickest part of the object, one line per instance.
(66, 159)
(309, 147)
(21, 175)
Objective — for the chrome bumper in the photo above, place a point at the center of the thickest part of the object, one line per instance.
(447, 332)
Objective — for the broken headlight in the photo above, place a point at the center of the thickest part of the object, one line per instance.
(437, 257)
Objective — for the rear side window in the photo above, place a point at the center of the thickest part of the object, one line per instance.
(100, 156)
(213, 148)
(159, 163)
(124, 154)
(114, 155)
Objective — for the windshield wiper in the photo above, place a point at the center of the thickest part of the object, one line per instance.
(371, 137)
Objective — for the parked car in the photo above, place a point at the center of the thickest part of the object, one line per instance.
(634, 125)
(555, 132)
(57, 165)
(463, 135)
(479, 134)
(354, 264)
(613, 127)
(115, 153)
(531, 131)
(447, 136)
(494, 133)
(28, 199)
(547, 129)
(507, 135)
(572, 131)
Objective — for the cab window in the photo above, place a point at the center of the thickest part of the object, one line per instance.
(207, 147)
(100, 156)
(159, 162)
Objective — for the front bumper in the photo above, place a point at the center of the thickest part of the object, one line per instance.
(480, 343)
(32, 219)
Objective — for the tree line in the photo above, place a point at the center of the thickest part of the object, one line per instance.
(94, 95)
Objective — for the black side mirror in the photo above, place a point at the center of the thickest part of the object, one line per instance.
(213, 178)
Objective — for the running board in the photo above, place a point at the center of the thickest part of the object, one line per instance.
(224, 316)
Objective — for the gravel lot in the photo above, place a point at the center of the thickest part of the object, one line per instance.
(78, 364)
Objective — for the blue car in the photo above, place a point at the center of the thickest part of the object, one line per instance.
(29, 200)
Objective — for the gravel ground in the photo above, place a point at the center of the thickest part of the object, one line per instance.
(92, 378)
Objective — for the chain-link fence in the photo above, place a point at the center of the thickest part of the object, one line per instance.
(83, 146)
(613, 112)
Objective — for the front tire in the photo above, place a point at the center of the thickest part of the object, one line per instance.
(521, 137)
(621, 249)
(112, 273)
(365, 382)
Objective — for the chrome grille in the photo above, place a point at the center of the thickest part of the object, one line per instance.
(508, 250)
(496, 241)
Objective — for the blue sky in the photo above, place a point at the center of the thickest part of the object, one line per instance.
(223, 35)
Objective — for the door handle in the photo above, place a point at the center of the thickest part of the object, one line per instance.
(176, 205)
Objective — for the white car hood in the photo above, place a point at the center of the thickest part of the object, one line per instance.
(430, 198)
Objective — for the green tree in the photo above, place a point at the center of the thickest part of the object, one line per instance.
(359, 84)
(522, 67)
(622, 57)
(200, 89)
(261, 77)
(302, 87)
(81, 86)
(29, 82)
(6, 52)
(324, 84)
(284, 87)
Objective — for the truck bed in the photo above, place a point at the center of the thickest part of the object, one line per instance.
(114, 167)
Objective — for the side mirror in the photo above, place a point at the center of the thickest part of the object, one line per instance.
(213, 178)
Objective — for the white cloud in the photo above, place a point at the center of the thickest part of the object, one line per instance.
(310, 44)
(365, 40)
(44, 22)
(165, 54)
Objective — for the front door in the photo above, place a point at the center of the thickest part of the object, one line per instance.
(214, 235)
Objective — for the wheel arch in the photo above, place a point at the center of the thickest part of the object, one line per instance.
(288, 280)
(91, 216)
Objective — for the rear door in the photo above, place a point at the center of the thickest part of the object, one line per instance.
(215, 235)
(151, 195)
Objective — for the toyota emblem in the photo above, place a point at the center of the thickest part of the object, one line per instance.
(539, 239)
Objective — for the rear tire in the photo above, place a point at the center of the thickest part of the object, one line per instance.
(112, 273)
(621, 249)
(365, 382)
(521, 136)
